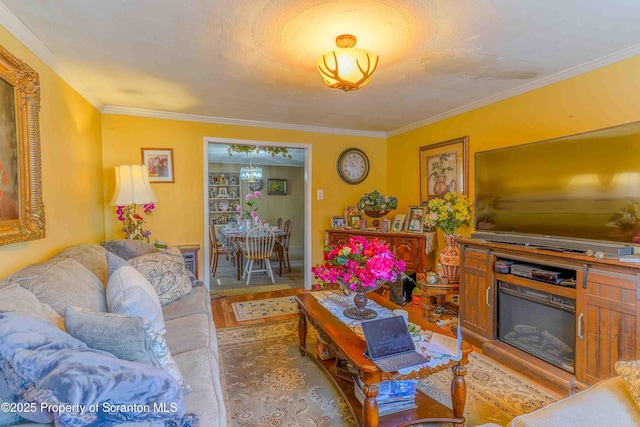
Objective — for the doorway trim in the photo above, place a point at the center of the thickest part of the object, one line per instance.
(307, 197)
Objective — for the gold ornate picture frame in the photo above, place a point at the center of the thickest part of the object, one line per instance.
(21, 204)
(444, 168)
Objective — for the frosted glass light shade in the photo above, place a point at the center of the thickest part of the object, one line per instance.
(132, 186)
(347, 68)
(250, 174)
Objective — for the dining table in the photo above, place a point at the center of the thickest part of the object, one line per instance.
(234, 237)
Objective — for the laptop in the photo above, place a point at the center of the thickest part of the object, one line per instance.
(389, 344)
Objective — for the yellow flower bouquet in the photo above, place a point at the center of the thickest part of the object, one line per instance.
(450, 212)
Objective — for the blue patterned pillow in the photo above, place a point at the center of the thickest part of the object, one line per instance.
(47, 366)
(126, 337)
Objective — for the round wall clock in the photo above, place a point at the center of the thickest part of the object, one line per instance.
(353, 166)
(255, 186)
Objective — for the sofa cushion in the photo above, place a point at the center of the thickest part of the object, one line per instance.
(91, 256)
(15, 298)
(203, 374)
(129, 293)
(166, 272)
(197, 302)
(45, 365)
(629, 371)
(60, 283)
(126, 337)
(600, 405)
(127, 249)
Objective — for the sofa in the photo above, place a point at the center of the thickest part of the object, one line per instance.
(607, 403)
(118, 333)
(611, 402)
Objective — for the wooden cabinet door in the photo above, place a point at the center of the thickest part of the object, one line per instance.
(607, 324)
(477, 293)
(339, 239)
(406, 249)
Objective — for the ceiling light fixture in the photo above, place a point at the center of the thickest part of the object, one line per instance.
(347, 68)
(251, 173)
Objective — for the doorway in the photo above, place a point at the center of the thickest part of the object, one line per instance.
(290, 199)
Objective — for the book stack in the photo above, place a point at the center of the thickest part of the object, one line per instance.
(393, 396)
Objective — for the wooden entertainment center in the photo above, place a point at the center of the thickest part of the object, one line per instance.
(607, 309)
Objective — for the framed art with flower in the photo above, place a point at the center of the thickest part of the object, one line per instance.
(444, 168)
(159, 162)
(21, 204)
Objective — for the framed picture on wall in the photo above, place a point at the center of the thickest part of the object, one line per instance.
(21, 205)
(277, 187)
(444, 168)
(159, 161)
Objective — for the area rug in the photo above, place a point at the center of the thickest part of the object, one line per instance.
(268, 383)
(258, 309)
(247, 290)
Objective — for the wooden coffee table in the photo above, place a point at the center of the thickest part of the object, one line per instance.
(348, 345)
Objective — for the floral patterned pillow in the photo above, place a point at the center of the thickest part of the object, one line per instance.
(166, 272)
(629, 371)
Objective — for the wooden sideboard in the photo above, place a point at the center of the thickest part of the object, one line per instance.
(607, 310)
(409, 247)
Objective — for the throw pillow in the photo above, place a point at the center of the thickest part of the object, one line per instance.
(127, 249)
(126, 337)
(47, 366)
(166, 272)
(129, 293)
(60, 283)
(630, 373)
(19, 300)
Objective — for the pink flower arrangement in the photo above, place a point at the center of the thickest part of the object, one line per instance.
(359, 264)
(251, 199)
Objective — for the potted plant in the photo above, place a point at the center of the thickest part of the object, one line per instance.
(416, 297)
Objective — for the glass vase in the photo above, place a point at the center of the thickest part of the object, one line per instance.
(360, 300)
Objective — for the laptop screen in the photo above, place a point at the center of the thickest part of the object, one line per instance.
(386, 337)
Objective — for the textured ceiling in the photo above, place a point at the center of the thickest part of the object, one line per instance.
(254, 60)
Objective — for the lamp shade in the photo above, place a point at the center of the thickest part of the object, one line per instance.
(347, 68)
(132, 186)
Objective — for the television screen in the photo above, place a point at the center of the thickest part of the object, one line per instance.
(583, 186)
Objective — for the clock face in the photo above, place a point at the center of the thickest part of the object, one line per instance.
(353, 166)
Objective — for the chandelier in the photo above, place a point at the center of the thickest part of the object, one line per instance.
(250, 173)
(347, 68)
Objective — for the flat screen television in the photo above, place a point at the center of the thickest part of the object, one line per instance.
(584, 186)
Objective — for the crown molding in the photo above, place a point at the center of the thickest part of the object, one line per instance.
(536, 84)
(21, 32)
(129, 111)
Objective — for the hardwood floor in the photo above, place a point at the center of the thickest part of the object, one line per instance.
(224, 318)
(223, 313)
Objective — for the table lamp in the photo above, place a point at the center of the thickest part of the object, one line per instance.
(133, 188)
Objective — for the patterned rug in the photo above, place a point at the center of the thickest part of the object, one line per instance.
(258, 309)
(268, 383)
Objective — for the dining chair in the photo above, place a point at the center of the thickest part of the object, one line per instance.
(216, 248)
(259, 244)
(279, 223)
(283, 241)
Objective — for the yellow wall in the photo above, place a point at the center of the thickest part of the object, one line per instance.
(601, 98)
(71, 167)
(179, 216)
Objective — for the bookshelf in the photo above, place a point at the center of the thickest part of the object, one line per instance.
(224, 196)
